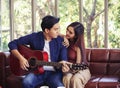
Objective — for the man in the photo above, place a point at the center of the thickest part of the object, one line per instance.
(46, 40)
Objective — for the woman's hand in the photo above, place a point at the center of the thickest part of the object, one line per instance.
(65, 42)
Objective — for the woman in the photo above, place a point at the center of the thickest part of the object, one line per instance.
(76, 54)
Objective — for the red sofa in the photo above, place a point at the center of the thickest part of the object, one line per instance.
(104, 66)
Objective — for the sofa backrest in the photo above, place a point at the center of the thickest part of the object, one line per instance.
(104, 61)
(114, 62)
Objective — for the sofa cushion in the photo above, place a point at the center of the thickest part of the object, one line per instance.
(93, 82)
(108, 82)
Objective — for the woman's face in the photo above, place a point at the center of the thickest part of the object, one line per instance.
(70, 33)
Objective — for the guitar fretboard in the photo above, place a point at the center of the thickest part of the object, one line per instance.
(34, 62)
(43, 63)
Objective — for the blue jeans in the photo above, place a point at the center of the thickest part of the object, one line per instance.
(49, 78)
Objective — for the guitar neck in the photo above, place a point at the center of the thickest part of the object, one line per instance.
(44, 63)
(34, 62)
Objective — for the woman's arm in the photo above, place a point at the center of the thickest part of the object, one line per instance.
(78, 59)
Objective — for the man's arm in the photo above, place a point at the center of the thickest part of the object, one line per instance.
(23, 62)
(65, 67)
(13, 46)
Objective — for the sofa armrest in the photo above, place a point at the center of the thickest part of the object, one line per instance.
(2, 69)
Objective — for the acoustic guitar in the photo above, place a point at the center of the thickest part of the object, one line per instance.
(36, 59)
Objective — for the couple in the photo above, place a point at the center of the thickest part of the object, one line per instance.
(49, 40)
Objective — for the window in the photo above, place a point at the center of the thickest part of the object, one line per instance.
(21, 17)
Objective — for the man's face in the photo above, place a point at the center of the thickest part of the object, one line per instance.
(54, 31)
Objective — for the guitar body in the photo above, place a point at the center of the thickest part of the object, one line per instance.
(28, 54)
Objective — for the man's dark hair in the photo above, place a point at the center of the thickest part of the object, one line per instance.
(48, 22)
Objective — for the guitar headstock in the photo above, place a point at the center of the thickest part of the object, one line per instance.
(79, 66)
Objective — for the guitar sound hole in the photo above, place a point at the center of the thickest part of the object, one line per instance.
(32, 62)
